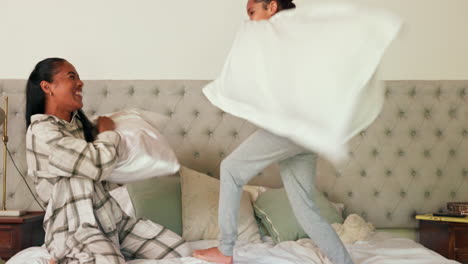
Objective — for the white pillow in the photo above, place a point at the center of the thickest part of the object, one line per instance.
(31, 255)
(200, 199)
(143, 151)
(156, 120)
(309, 69)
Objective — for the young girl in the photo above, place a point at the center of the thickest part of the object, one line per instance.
(297, 168)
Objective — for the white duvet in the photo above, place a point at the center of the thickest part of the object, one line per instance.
(305, 73)
(380, 248)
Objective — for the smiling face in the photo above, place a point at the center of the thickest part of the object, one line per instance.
(64, 94)
(260, 11)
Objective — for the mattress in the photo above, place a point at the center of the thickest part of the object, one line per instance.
(380, 248)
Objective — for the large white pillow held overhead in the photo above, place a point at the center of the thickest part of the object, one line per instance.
(306, 73)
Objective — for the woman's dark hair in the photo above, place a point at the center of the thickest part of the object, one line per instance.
(282, 4)
(35, 96)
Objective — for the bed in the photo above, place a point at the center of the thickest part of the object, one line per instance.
(381, 248)
(410, 161)
(377, 248)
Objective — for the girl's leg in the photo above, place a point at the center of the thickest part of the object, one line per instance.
(298, 175)
(252, 156)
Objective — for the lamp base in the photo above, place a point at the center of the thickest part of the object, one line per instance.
(12, 213)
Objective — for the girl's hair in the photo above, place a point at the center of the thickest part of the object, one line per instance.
(282, 4)
(35, 96)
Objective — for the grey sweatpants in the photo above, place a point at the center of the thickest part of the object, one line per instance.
(297, 168)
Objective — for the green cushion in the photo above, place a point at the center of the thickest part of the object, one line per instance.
(158, 199)
(276, 214)
(1, 261)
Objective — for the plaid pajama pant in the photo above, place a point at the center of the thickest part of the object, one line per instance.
(110, 236)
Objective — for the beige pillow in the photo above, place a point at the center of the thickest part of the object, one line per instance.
(200, 198)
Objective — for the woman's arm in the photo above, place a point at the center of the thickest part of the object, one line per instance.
(74, 157)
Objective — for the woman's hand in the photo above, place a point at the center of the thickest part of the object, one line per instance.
(104, 123)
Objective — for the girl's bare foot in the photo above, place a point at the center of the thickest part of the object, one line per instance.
(51, 261)
(212, 255)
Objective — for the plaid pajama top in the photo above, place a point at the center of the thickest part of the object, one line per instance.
(56, 155)
(83, 223)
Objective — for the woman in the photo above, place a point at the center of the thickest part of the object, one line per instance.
(297, 167)
(69, 162)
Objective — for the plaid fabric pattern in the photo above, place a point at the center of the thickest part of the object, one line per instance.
(83, 223)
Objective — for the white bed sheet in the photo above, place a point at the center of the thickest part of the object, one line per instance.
(381, 248)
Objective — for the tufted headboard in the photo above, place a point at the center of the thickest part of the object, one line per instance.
(413, 158)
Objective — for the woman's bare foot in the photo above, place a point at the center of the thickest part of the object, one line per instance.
(51, 261)
(212, 255)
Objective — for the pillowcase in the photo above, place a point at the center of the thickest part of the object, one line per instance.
(156, 120)
(252, 84)
(31, 255)
(200, 199)
(276, 215)
(143, 151)
(159, 200)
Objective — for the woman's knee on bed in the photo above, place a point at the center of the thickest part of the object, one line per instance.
(144, 239)
(96, 251)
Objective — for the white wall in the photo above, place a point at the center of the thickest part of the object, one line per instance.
(188, 39)
(434, 42)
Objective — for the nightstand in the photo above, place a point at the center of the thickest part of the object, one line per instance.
(17, 233)
(447, 236)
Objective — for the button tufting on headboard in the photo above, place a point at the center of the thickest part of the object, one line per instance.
(412, 159)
